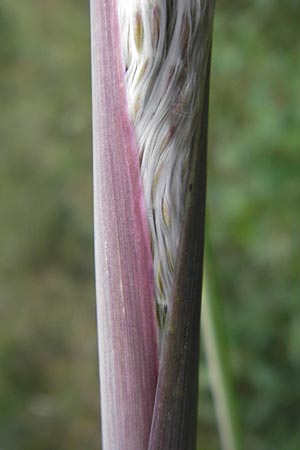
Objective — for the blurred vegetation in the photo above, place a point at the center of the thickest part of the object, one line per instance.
(48, 356)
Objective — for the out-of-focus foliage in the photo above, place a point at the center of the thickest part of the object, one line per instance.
(48, 359)
(254, 214)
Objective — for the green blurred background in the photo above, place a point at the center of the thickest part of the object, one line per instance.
(48, 357)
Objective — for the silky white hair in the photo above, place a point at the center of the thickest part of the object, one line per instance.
(163, 50)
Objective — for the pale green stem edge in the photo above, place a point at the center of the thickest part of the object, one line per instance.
(216, 350)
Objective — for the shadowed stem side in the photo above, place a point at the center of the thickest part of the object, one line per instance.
(175, 412)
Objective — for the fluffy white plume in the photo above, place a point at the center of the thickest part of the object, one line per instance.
(163, 53)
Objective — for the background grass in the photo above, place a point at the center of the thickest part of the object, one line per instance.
(48, 356)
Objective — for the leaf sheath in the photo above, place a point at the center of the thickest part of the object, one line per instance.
(124, 277)
(175, 412)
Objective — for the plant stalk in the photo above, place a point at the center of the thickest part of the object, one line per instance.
(217, 357)
(127, 332)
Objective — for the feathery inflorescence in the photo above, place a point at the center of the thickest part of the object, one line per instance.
(162, 54)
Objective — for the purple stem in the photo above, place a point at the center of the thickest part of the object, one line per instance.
(128, 351)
